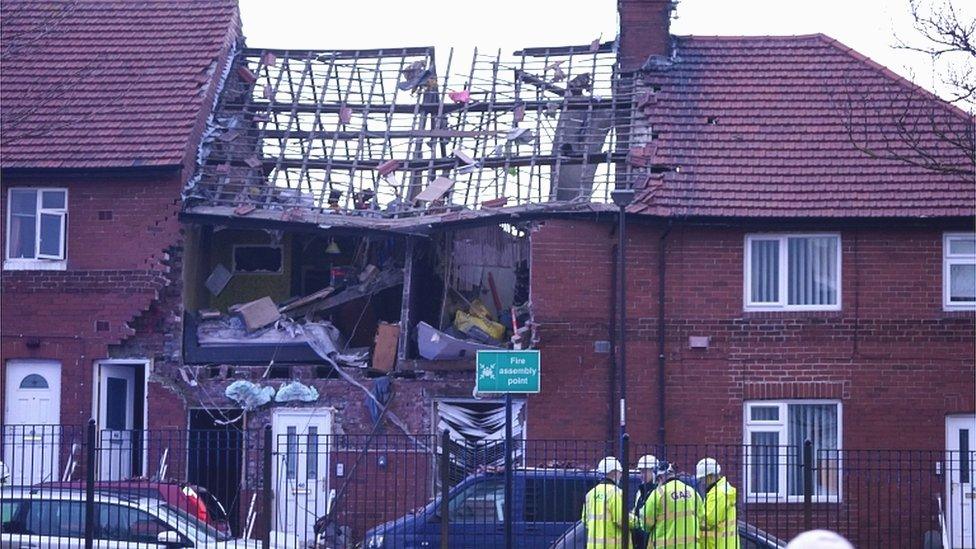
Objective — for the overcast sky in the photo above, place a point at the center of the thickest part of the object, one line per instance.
(868, 26)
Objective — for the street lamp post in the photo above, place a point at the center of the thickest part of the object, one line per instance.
(622, 198)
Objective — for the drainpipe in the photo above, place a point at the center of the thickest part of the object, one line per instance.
(612, 338)
(662, 249)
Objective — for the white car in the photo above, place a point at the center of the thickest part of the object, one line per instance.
(39, 518)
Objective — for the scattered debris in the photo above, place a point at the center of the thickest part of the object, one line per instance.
(385, 347)
(244, 209)
(437, 188)
(209, 314)
(249, 396)
(388, 167)
(437, 345)
(218, 279)
(296, 392)
(306, 300)
(258, 313)
(462, 96)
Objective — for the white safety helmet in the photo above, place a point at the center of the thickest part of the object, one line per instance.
(707, 466)
(819, 539)
(608, 465)
(647, 462)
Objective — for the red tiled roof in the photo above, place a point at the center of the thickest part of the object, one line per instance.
(756, 128)
(108, 83)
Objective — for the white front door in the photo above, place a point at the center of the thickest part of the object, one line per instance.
(301, 471)
(960, 485)
(116, 405)
(32, 417)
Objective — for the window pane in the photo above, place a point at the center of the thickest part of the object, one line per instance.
(312, 453)
(291, 453)
(119, 523)
(56, 518)
(764, 413)
(23, 223)
(962, 245)
(52, 199)
(764, 450)
(812, 270)
(482, 502)
(765, 271)
(50, 235)
(962, 283)
(23, 201)
(818, 424)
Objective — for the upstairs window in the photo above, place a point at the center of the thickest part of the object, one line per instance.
(36, 222)
(959, 271)
(792, 272)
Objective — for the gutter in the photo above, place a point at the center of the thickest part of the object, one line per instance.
(661, 333)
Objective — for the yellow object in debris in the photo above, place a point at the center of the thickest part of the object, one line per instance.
(464, 322)
(479, 309)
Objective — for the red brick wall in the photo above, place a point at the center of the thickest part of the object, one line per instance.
(898, 362)
(116, 269)
(644, 30)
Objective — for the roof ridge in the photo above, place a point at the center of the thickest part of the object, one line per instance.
(748, 36)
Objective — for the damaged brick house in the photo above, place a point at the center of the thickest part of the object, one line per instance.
(357, 223)
(104, 107)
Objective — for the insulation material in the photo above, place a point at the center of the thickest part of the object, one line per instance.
(478, 422)
(478, 428)
(296, 392)
(249, 396)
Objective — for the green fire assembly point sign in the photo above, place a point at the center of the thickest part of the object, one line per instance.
(508, 372)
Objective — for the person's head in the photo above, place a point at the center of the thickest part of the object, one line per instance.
(819, 539)
(663, 472)
(610, 467)
(647, 465)
(707, 471)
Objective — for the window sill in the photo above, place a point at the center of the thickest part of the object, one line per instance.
(791, 310)
(778, 500)
(958, 308)
(35, 265)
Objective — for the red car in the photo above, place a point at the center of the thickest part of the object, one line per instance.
(195, 500)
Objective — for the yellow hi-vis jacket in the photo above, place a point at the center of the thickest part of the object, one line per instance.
(720, 528)
(672, 516)
(603, 511)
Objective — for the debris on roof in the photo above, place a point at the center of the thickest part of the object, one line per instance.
(316, 131)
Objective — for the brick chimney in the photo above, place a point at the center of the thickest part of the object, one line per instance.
(644, 31)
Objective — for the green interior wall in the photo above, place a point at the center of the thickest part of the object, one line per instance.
(248, 287)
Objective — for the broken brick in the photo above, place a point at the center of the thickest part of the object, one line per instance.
(246, 75)
(388, 167)
(495, 202)
(244, 209)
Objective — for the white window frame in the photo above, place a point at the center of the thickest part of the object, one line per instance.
(233, 259)
(949, 259)
(783, 305)
(40, 262)
(781, 427)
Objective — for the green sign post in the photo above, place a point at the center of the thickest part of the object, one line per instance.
(508, 372)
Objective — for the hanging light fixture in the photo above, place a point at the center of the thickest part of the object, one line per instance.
(333, 248)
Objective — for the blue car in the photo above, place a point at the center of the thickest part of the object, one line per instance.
(547, 503)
